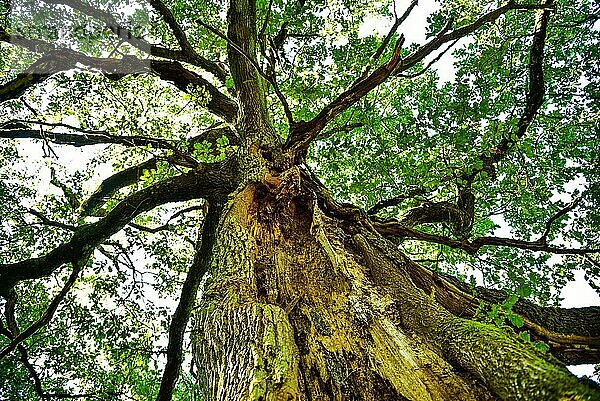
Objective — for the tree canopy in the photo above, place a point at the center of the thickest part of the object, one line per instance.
(123, 124)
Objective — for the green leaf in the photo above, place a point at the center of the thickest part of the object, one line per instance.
(516, 320)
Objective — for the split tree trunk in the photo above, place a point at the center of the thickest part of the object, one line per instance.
(301, 305)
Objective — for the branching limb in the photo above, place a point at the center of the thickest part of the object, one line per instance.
(172, 71)
(461, 215)
(394, 228)
(181, 316)
(448, 35)
(187, 54)
(212, 182)
(303, 133)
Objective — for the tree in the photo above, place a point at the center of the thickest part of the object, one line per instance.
(314, 198)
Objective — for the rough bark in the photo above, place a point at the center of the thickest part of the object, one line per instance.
(302, 305)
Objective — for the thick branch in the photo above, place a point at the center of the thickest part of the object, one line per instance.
(113, 184)
(573, 334)
(181, 316)
(187, 54)
(482, 350)
(212, 182)
(64, 60)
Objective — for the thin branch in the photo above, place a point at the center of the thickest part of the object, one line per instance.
(394, 201)
(166, 226)
(432, 62)
(20, 129)
(47, 316)
(394, 228)
(557, 216)
(46, 221)
(393, 30)
(11, 333)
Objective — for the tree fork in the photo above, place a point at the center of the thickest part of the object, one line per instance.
(299, 305)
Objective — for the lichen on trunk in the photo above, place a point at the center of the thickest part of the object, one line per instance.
(301, 305)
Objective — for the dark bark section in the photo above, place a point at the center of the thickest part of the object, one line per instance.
(179, 321)
(212, 182)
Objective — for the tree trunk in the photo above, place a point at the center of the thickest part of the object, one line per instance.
(302, 305)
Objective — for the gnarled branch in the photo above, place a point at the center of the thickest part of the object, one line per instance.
(212, 182)
(394, 228)
(172, 71)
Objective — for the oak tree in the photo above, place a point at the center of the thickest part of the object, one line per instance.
(278, 200)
